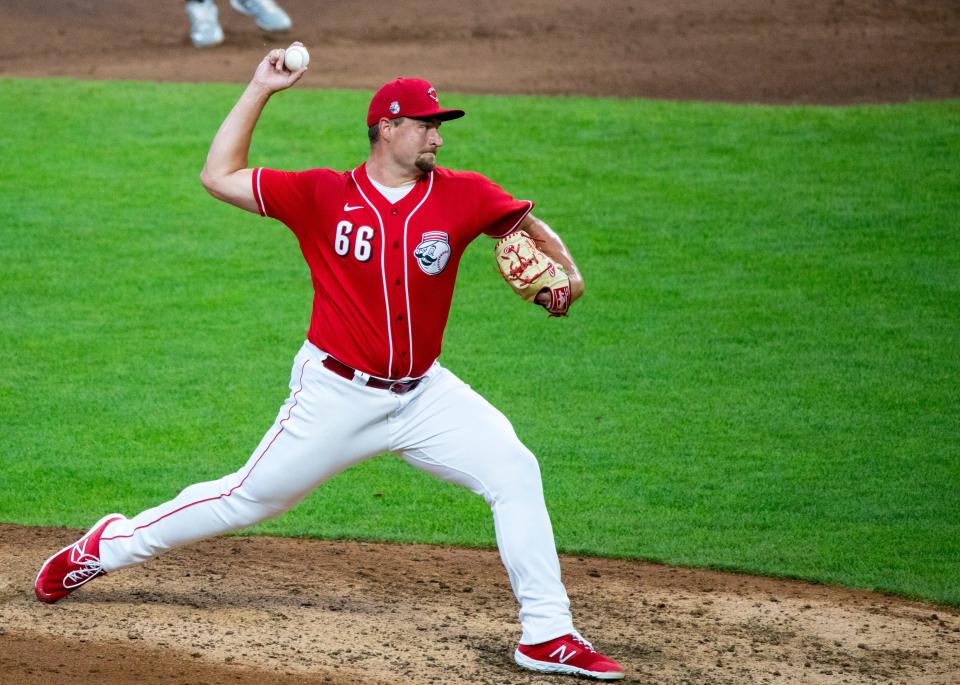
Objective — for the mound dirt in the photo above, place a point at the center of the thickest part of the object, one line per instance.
(265, 610)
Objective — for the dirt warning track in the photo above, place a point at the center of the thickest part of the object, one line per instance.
(779, 51)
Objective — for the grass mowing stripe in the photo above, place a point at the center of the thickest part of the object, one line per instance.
(762, 375)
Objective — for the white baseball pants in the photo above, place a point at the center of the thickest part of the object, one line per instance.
(329, 423)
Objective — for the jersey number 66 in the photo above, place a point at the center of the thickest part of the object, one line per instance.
(362, 250)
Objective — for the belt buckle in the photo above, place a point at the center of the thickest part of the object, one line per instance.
(403, 387)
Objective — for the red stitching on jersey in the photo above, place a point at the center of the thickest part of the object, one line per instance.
(237, 486)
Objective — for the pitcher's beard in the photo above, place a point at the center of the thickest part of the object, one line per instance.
(426, 163)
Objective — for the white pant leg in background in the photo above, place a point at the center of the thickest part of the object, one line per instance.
(449, 430)
(326, 425)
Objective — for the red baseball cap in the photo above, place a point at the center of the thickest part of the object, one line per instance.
(408, 97)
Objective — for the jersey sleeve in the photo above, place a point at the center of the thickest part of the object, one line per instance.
(498, 213)
(293, 197)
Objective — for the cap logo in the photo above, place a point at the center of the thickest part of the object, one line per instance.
(432, 93)
(394, 107)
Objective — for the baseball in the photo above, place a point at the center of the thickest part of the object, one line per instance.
(296, 57)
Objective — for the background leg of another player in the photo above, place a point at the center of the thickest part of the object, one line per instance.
(322, 428)
(205, 30)
(452, 432)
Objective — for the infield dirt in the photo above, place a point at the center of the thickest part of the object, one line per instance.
(263, 610)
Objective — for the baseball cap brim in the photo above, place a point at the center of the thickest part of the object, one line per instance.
(441, 114)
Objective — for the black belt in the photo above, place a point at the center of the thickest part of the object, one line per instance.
(396, 387)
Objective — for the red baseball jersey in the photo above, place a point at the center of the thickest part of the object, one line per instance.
(383, 274)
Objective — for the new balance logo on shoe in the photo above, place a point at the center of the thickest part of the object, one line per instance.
(569, 654)
(563, 656)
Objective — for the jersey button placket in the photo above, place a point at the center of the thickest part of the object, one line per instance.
(397, 297)
(402, 346)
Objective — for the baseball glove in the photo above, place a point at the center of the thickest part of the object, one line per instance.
(529, 271)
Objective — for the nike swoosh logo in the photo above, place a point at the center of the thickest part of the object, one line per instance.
(348, 208)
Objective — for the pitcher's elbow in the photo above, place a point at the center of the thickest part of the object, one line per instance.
(206, 179)
(209, 182)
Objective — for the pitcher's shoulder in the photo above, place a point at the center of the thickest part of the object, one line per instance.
(459, 177)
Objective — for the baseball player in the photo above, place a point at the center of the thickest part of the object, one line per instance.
(383, 242)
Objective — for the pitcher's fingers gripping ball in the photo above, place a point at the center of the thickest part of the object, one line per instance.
(529, 271)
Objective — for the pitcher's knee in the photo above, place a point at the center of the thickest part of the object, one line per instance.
(239, 511)
(238, 505)
(258, 506)
(519, 475)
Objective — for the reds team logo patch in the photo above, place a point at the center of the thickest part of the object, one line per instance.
(432, 94)
(433, 252)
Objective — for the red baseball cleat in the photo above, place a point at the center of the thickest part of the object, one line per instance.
(568, 654)
(73, 566)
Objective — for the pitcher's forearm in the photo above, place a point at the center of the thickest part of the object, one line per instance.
(225, 174)
(231, 145)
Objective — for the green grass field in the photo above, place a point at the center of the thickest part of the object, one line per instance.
(762, 376)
